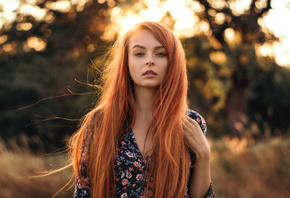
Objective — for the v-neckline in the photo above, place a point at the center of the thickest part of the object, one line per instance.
(138, 149)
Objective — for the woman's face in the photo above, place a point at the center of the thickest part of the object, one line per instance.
(147, 59)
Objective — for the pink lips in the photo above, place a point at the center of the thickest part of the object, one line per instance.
(149, 74)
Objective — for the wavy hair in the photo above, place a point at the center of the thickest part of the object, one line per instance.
(114, 114)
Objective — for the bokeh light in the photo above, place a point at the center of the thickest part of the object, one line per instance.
(61, 6)
(35, 43)
(281, 49)
(182, 13)
(181, 17)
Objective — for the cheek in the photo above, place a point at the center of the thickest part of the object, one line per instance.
(131, 67)
(164, 68)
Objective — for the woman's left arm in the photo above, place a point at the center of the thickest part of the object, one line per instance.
(200, 182)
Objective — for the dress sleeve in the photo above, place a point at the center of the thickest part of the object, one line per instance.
(200, 120)
(83, 184)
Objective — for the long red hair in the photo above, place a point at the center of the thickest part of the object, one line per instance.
(115, 114)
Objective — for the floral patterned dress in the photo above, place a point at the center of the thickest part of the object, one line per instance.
(129, 168)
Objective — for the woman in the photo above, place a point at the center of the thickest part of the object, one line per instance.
(140, 140)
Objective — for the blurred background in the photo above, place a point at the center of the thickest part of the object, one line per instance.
(238, 58)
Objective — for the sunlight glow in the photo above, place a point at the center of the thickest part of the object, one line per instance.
(261, 4)
(9, 16)
(282, 54)
(281, 49)
(116, 11)
(156, 10)
(197, 7)
(220, 18)
(278, 51)
(61, 6)
(80, 4)
(7, 47)
(101, 1)
(185, 21)
(11, 9)
(240, 6)
(35, 43)
(9, 6)
(230, 35)
(129, 22)
(218, 57)
(270, 20)
(151, 14)
(265, 50)
(23, 26)
(32, 2)
(3, 39)
(280, 3)
(204, 26)
(34, 11)
(218, 4)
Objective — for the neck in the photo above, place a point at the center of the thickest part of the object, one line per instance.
(143, 100)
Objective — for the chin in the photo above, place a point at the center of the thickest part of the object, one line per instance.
(152, 85)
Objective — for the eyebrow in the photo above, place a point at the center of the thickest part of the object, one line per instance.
(142, 47)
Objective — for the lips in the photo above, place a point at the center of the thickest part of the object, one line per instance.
(149, 73)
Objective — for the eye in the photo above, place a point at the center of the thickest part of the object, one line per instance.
(139, 54)
(161, 54)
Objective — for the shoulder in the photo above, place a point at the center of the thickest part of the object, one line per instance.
(198, 118)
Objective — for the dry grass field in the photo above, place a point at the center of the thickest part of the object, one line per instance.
(251, 170)
(239, 169)
(19, 165)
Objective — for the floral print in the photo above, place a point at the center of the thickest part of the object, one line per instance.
(130, 168)
(83, 183)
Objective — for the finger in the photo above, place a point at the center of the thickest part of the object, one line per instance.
(196, 124)
(191, 120)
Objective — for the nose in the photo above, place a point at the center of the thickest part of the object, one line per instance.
(150, 60)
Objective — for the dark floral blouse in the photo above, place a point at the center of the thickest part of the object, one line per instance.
(129, 168)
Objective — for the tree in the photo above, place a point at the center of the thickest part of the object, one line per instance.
(226, 67)
(40, 59)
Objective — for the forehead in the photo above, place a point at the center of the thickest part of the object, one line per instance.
(143, 38)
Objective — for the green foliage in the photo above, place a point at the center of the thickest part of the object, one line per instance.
(25, 84)
(221, 72)
(47, 76)
(269, 100)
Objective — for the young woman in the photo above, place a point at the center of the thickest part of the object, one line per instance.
(140, 140)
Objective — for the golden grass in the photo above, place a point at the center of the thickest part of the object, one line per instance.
(19, 164)
(250, 169)
(239, 169)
